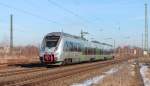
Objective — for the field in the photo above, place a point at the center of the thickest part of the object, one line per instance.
(132, 72)
(20, 55)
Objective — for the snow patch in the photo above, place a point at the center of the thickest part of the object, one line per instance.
(90, 82)
(111, 71)
(143, 71)
(95, 80)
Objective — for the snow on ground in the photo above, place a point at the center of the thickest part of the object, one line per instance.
(97, 79)
(111, 71)
(90, 82)
(143, 71)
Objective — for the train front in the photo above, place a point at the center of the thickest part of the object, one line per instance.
(49, 50)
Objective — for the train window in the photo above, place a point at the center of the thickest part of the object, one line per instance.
(96, 51)
(85, 51)
(65, 48)
(79, 47)
(70, 46)
(51, 41)
(88, 50)
(51, 44)
(93, 51)
(74, 47)
(100, 51)
(82, 48)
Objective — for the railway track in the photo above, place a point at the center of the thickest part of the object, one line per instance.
(139, 76)
(39, 76)
(10, 71)
(20, 71)
(3, 65)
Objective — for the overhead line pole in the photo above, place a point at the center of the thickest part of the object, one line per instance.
(146, 49)
(83, 33)
(142, 42)
(11, 34)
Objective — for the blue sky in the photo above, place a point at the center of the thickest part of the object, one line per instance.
(122, 20)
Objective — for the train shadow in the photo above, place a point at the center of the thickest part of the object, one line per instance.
(38, 65)
(35, 65)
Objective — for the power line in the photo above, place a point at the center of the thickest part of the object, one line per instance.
(73, 13)
(31, 3)
(54, 3)
(29, 13)
(63, 8)
(67, 10)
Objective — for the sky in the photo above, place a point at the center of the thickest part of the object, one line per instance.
(120, 20)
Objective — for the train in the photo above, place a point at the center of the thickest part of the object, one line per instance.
(62, 48)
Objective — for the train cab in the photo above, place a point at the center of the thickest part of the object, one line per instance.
(49, 47)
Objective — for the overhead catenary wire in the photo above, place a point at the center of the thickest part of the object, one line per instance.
(44, 18)
(85, 20)
(32, 4)
(59, 6)
(63, 8)
(68, 11)
(29, 13)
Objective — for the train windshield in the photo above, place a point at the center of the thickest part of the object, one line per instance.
(51, 41)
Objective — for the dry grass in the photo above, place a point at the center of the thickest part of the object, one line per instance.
(144, 59)
(110, 81)
(124, 77)
(26, 54)
(148, 73)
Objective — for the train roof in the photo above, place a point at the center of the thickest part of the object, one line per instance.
(101, 43)
(73, 36)
(64, 34)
